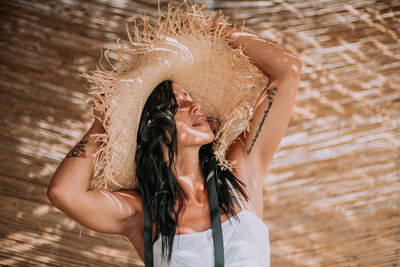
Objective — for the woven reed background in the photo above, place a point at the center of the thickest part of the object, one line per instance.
(332, 194)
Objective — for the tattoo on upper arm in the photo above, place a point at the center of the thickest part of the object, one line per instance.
(78, 151)
(270, 94)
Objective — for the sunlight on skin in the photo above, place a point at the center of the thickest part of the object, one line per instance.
(121, 199)
(198, 133)
(188, 135)
(190, 139)
(120, 202)
(295, 67)
(264, 59)
(184, 124)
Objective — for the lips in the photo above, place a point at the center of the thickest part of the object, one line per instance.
(200, 120)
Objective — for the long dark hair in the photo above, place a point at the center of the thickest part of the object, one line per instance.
(155, 173)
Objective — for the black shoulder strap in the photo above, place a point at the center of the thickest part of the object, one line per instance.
(148, 228)
(215, 223)
(215, 218)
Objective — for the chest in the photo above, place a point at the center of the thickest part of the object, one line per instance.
(196, 218)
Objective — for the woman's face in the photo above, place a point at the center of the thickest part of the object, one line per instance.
(190, 131)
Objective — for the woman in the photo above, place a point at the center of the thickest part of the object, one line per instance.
(173, 156)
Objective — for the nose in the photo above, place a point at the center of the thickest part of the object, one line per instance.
(195, 106)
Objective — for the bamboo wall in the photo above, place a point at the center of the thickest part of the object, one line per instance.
(332, 194)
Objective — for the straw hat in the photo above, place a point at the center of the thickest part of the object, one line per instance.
(221, 78)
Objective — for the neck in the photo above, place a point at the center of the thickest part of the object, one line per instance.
(189, 174)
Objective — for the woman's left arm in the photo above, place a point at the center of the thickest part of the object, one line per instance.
(253, 151)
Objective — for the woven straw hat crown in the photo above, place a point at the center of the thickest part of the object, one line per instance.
(218, 76)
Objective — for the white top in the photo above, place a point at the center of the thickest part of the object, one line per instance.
(246, 243)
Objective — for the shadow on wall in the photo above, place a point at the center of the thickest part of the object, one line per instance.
(331, 195)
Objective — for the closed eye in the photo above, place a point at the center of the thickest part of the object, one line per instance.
(186, 94)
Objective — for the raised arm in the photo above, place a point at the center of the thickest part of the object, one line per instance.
(272, 111)
(99, 210)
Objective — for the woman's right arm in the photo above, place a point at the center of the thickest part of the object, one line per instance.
(99, 210)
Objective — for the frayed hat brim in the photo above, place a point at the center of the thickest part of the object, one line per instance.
(221, 78)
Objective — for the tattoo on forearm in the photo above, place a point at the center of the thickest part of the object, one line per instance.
(270, 94)
(78, 151)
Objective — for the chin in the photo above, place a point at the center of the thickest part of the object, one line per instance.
(208, 139)
(212, 138)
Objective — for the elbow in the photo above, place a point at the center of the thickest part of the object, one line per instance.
(63, 197)
(295, 65)
(285, 66)
(52, 191)
(54, 195)
(292, 65)
(59, 197)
